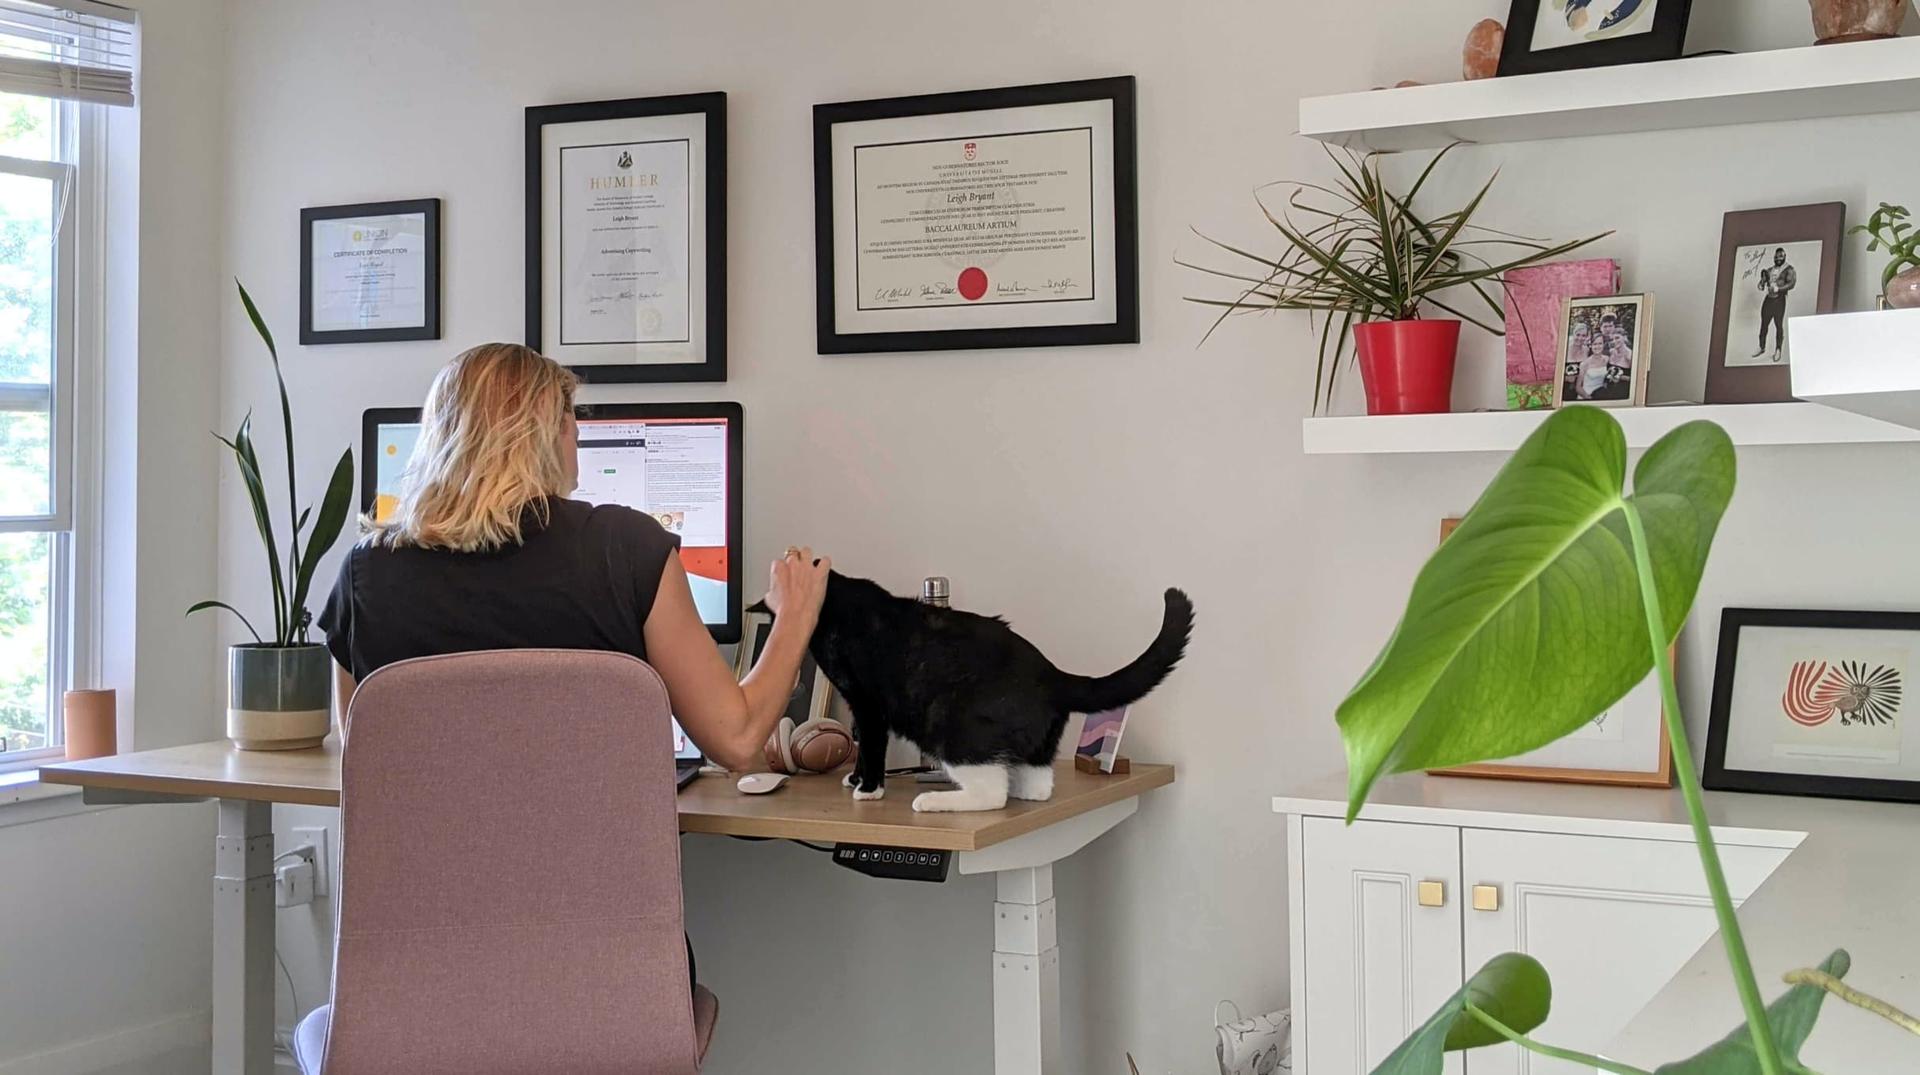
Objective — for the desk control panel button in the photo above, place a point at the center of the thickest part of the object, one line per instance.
(897, 863)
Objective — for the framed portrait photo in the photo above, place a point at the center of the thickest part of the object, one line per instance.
(1774, 264)
(1815, 703)
(812, 697)
(1605, 348)
(992, 218)
(627, 237)
(370, 272)
(1625, 744)
(1559, 35)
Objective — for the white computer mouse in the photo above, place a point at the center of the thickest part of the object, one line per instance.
(761, 783)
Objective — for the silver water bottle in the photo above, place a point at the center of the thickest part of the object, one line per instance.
(934, 591)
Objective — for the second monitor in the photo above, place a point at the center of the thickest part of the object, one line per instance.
(678, 462)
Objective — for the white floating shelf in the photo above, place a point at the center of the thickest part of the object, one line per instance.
(1704, 91)
(1502, 431)
(1865, 363)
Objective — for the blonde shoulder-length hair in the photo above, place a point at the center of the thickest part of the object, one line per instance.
(489, 452)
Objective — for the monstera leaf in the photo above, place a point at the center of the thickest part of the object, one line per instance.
(1791, 1017)
(1528, 620)
(1512, 988)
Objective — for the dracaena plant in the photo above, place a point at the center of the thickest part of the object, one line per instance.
(1556, 594)
(1357, 251)
(290, 583)
(1888, 229)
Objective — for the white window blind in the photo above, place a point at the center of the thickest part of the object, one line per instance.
(77, 49)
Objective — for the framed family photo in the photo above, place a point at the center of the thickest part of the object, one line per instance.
(1606, 346)
(1558, 35)
(989, 218)
(626, 237)
(370, 272)
(1625, 744)
(1815, 703)
(1775, 264)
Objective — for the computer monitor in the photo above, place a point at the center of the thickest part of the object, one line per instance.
(679, 462)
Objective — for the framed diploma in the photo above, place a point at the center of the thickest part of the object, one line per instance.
(993, 218)
(370, 273)
(627, 237)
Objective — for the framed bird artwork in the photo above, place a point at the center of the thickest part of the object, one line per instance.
(1558, 35)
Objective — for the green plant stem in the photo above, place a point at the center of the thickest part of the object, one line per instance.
(1810, 976)
(1583, 1059)
(1763, 1044)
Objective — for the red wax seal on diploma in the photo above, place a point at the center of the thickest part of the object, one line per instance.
(973, 283)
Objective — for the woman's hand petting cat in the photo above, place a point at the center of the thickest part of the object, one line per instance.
(798, 584)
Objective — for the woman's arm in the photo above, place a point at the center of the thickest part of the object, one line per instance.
(731, 721)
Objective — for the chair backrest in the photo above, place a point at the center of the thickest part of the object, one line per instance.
(509, 892)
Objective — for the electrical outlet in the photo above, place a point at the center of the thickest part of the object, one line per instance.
(293, 879)
(315, 836)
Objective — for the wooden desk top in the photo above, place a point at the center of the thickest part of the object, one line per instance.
(808, 808)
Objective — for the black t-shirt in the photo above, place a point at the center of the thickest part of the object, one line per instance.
(585, 580)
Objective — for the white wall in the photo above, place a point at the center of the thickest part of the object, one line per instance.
(104, 916)
(1063, 488)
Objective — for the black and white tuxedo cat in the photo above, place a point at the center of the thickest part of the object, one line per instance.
(966, 690)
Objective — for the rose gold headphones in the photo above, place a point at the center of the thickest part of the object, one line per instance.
(818, 746)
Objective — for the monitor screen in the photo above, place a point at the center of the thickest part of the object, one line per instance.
(678, 462)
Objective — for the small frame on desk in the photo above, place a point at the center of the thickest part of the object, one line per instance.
(370, 272)
(1625, 744)
(1812, 702)
(812, 697)
(1099, 748)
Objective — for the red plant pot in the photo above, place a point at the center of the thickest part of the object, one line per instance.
(1407, 366)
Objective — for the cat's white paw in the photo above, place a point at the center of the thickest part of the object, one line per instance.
(928, 802)
(865, 796)
(850, 781)
(1033, 783)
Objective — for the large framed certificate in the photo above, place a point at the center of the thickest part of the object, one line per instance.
(627, 237)
(370, 273)
(992, 218)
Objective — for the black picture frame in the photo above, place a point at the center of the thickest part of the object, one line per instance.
(1667, 40)
(711, 106)
(430, 329)
(1822, 222)
(1717, 776)
(1123, 329)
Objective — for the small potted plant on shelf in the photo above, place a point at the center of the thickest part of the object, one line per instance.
(278, 691)
(1362, 258)
(1888, 229)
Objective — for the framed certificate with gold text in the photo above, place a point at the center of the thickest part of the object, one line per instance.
(991, 218)
(627, 237)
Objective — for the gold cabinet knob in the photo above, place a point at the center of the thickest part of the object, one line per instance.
(1433, 893)
(1486, 897)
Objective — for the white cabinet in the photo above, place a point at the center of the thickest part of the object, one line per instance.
(1612, 918)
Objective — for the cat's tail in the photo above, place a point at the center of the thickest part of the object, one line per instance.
(1094, 694)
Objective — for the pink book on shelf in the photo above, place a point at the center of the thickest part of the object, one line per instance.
(1536, 295)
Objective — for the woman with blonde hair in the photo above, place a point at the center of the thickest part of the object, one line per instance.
(485, 551)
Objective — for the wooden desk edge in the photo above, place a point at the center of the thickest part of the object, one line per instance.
(840, 829)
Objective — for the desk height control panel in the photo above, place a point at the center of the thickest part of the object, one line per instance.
(902, 863)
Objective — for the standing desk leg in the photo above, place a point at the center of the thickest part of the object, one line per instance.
(243, 939)
(1026, 974)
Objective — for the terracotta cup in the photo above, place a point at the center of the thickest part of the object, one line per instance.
(90, 724)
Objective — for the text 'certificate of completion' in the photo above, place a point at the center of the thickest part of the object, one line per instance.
(986, 220)
(624, 243)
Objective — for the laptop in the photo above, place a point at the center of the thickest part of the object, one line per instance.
(687, 758)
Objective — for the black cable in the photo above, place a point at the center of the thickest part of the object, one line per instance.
(801, 843)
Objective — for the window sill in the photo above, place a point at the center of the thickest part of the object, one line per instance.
(24, 798)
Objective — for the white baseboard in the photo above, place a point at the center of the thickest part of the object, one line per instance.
(121, 1047)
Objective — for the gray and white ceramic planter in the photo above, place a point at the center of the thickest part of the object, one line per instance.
(278, 696)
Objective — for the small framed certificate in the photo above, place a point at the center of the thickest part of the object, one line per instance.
(992, 218)
(627, 237)
(370, 272)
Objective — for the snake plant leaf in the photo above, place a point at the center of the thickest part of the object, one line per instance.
(249, 462)
(1791, 1016)
(1512, 988)
(326, 528)
(201, 606)
(1528, 621)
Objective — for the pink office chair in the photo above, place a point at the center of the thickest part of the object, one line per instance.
(510, 875)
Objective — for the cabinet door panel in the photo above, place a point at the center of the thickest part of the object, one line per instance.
(1377, 963)
(1611, 919)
